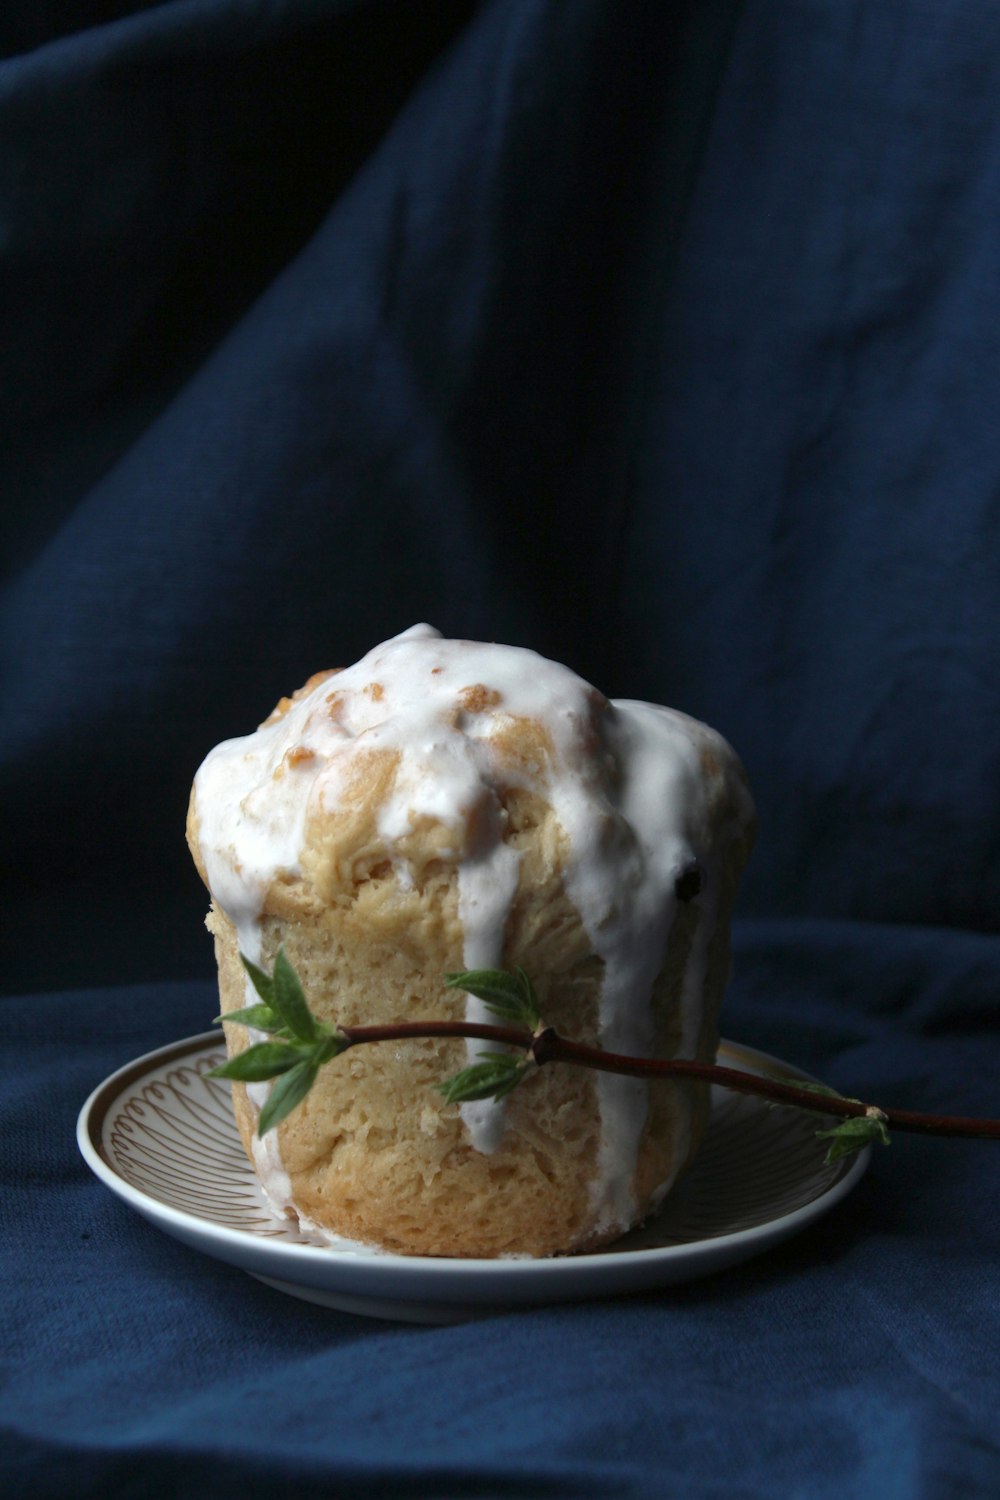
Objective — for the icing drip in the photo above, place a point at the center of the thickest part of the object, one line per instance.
(624, 781)
(486, 890)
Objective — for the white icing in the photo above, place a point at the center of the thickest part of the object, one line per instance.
(486, 890)
(631, 804)
(266, 1151)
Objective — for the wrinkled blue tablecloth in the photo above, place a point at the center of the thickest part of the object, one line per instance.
(663, 339)
(860, 1358)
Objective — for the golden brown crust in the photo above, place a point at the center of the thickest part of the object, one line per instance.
(374, 1153)
(282, 706)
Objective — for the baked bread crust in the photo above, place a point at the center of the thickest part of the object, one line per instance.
(371, 925)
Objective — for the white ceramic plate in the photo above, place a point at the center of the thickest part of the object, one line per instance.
(161, 1135)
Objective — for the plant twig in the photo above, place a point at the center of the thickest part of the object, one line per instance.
(303, 1044)
(547, 1046)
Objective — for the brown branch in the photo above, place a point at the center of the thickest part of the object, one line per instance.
(547, 1046)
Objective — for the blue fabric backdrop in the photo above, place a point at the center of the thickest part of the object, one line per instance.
(664, 339)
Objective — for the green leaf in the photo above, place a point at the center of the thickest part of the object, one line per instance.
(289, 1091)
(261, 981)
(854, 1134)
(260, 1017)
(530, 999)
(265, 1060)
(815, 1088)
(330, 1047)
(492, 1079)
(511, 996)
(295, 1062)
(289, 1000)
(808, 1087)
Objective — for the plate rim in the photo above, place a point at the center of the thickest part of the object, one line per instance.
(437, 1274)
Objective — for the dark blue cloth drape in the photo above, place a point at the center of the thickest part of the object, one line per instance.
(664, 339)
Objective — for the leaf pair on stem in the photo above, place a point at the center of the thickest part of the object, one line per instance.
(302, 1042)
(512, 998)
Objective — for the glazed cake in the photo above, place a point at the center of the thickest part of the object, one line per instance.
(449, 805)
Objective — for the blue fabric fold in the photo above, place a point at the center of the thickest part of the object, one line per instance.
(860, 1357)
(661, 339)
